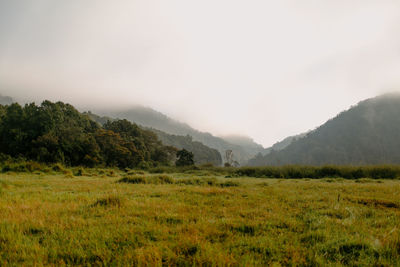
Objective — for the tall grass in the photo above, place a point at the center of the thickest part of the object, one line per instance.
(294, 171)
(347, 172)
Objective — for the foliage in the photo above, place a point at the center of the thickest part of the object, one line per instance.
(154, 179)
(149, 148)
(57, 132)
(185, 158)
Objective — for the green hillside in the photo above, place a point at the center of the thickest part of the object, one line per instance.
(367, 133)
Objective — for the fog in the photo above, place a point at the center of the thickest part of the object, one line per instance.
(266, 69)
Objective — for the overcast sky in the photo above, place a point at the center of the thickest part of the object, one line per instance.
(266, 69)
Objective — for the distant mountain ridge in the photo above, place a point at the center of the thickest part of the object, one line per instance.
(367, 133)
(282, 144)
(245, 142)
(154, 119)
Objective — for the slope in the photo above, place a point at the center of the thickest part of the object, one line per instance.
(367, 133)
(153, 119)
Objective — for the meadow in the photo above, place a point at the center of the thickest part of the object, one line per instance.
(97, 217)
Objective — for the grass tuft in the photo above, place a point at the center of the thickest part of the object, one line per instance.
(155, 179)
(109, 201)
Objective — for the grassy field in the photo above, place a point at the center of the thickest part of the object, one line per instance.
(111, 218)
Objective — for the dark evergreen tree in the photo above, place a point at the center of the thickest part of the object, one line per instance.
(184, 158)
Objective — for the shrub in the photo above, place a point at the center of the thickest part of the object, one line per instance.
(158, 179)
(229, 184)
(14, 167)
(33, 166)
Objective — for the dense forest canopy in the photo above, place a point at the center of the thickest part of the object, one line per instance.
(57, 132)
(365, 134)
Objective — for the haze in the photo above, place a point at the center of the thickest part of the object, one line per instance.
(266, 69)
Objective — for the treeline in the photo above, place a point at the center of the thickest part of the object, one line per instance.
(57, 132)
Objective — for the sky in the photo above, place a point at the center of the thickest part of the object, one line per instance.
(265, 69)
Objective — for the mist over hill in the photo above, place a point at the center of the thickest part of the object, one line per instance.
(245, 142)
(367, 133)
(243, 151)
(281, 144)
(5, 100)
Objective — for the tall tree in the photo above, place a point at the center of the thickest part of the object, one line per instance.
(185, 158)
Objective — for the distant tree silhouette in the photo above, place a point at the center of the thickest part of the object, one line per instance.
(185, 158)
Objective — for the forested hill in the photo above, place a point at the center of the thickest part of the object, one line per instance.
(367, 133)
(57, 132)
(153, 119)
(202, 154)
